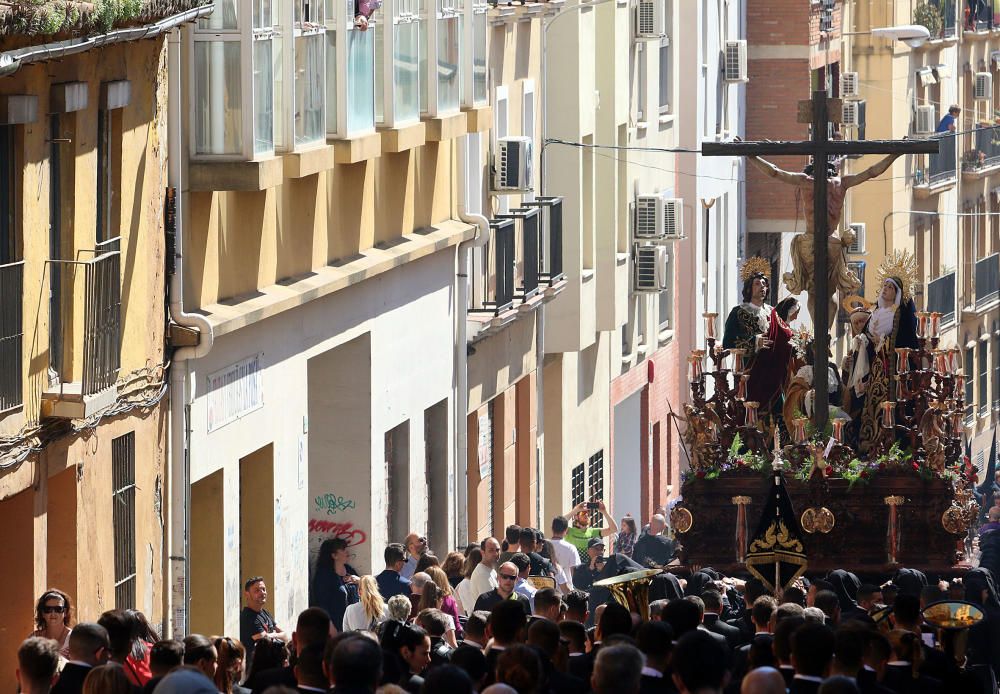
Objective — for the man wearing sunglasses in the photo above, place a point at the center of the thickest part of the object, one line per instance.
(89, 647)
(506, 581)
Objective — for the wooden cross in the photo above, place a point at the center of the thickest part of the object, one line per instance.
(820, 147)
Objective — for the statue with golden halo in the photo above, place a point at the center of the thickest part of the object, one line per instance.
(763, 333)
(892, 324)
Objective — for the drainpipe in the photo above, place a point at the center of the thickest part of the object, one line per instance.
(470, 196)
(179, 486)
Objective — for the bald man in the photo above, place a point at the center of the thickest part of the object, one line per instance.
(506, 580)
(763, 680)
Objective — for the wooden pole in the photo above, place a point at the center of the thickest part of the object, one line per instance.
(821, 237)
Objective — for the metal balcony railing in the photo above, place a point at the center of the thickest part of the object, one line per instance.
(100, 327)
(987, 280)
(550, 259)
(938, 16)
(526, 257)
(493, 278)
(11, 335)
(941, 166)
(987, 150)
(941, 297)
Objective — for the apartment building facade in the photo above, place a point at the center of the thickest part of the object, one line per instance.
(941, 208)
(83, 417)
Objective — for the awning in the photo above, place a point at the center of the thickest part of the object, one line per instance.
(941, 71)
(926, 77)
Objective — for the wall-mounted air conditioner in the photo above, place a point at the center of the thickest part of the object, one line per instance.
(512, 165)
(849, 85)
(858, 246)
(650, 269)
(650, 22)
(736, 61)
(925, 121)
(982, 88)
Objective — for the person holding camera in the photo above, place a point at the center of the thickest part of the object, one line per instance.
(585, 574)
(580, 533)
(416, 547)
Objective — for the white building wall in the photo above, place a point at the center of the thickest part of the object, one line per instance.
(408, 316)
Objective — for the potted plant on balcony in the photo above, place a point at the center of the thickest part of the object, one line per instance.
(973, 160)
(929, 17)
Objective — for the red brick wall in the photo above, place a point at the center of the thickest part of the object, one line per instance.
(657, 398)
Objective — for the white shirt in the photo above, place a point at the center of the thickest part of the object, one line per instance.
(526, 590)
(651, 672)
(567, 557)
(355, 618)
(465, 596)
(484, 579)
(409, 568)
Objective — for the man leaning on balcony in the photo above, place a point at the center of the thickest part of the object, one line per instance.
(949, 120)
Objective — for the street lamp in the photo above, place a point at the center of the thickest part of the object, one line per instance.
(913, 35)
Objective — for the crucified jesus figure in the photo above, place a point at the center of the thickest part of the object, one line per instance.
(802, 277)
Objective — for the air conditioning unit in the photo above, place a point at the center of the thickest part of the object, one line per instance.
(650, 22)
(983, 87)
(736, 61)
(512, 165)
(651, 268)
(851, 114)
(859, 238)
(926, 120)
(849, 85)
(658, 218)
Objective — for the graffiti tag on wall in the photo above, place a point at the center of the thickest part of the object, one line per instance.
(344, 530)
(331, 503)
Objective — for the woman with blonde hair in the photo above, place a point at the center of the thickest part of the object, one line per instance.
(369, 611)
(448, 604)
(107, 679)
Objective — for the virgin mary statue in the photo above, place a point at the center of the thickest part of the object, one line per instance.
(893, 323)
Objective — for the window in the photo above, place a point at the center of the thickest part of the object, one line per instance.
(578, 490)
(109, 137)
(9, 176)
(996, 371)
(309, 43)
(595, 481)
(443, 68)
(398, 45)
(665, 306)
(984, 370)
(528, 121)
(640, 320)
(970, 384)
(229, 44)
(474, 30)
(123, 518)
(502, 129)
(641, 86)
(664, 74)
(350, 71)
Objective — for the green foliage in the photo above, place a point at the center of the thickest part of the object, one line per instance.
(928, 16)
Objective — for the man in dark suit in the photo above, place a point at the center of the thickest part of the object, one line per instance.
(390, 582)
(507, 625)
(353, 664)
(699, 662)
(655, 640)
(164, 657)
(309, 675)
(812, 653)
(654, 548)
(936, 664)
(783, 645)
(581, 663)
(700, 607)
(311, 628)
(713, 622)
(89, 646)
(543, 636)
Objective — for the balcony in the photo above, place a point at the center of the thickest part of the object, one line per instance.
(86, 349)
(518, 268)
(11, 335)
(938, 16)
(941, 297)
(980, 23)
(987, 275)
(936, 172)
(985, 158)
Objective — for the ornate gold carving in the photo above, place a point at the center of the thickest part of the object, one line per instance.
(681, 519)
(894, 500)
(818, 520)
(738, 500)
(903, 265)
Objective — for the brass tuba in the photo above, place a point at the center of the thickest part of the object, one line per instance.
(631, 590)
(953, 619)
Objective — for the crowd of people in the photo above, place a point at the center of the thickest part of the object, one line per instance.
(526, 614)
